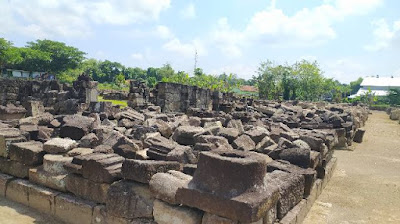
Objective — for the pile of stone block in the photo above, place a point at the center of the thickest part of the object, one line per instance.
(258, 162)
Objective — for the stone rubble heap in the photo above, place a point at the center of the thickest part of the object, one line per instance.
(257, 162)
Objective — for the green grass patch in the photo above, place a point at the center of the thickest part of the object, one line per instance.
(121, 103)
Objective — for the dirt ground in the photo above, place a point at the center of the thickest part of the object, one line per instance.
(14, 213)
(365, 187)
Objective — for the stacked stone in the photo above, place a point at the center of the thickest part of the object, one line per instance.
(54, 96)
(262, 162)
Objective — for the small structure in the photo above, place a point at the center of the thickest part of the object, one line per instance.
(379, 86)
(14, 73)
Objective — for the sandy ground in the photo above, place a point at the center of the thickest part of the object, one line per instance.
(365, 187)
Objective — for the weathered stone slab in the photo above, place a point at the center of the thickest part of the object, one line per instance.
(291, 190)
(59, 145)
(76, 126)
(54, 164)
(87, 189)
(79, 151)
(18, 191)
(129, 200)
(73, 210)
(50, 180)
(42, 199)
(167, 214)
(209, 218)
(242, 195)
(102, 168)
(142, 170)
(100, 216)
(4, 180)
(244, 143)
(296, 156)
(28, 153)
(14, 168)
(8, 136)
(309, 174)
(164, 186)
(184, 135)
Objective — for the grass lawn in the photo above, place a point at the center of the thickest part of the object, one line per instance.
(122, 103)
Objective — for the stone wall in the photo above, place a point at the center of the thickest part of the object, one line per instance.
(262, 162)
(172, 97)
(52, 95)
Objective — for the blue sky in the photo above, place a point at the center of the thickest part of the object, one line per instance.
(349, 38)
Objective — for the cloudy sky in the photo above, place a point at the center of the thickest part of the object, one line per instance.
(349, 38)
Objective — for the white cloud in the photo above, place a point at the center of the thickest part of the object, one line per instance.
(137, 56)
(384, 35)
(185, 49)
(242, 71)
(73, 18)
(228, 40)
(189, 12)
(346, 69)
(164, 32)
(306, 27)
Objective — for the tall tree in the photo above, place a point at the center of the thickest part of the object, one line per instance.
(62, 56)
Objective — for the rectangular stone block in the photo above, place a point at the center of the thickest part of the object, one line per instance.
(53, 181)
(14, 168)
(142, 170)
(28, 153)
(87, 189)
(4, 180)
(5, 142)
(73, 210)
(165, 213)
(309, 174)
(291, 190)
(42, 199)
(18, 191)
(129, 200)
(102, 168)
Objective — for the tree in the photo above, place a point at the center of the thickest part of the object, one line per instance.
(62, 56)
(355, 85)
(9, 55)
(32, 60)
(165, 71)
(394, 96)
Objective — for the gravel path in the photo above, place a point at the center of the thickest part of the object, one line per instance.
(365, 187)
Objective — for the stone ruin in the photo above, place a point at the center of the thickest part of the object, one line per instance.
(178, 154)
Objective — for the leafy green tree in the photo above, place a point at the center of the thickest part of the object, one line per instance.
(63, 57)
(32, 60)
(394, 96)
(9, 55)
(355, 85)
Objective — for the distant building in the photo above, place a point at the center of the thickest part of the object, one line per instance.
(14, 73)
(246, 88)
(378, 86)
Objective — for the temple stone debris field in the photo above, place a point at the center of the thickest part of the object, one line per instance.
(181, 154)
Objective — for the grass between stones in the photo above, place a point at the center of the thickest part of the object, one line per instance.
(122, 103)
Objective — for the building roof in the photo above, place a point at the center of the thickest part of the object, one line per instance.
(247, 88)
(382, 81)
